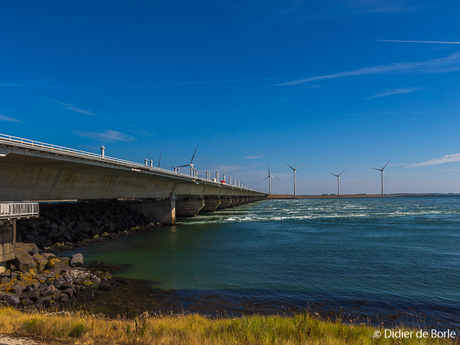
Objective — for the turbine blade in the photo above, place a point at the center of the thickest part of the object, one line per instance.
(191, 161)
(334, 175)
(376, 169)
(289, 166)
(300, 166)
(385, 165)
(181, 166)
(159, 160)
(268, 170)
(342, 172)
(385, 176)
(265, 179)
(276, 178)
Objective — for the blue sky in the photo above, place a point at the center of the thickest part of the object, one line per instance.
(335, 84)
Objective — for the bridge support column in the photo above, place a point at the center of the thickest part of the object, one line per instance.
(211, 204)
(189, 206)
(225, 202)
(7, 241)
(162, 210)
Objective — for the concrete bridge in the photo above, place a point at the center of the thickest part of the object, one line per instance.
(35, 171)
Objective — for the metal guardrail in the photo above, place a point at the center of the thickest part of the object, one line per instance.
(94, 156)
(19, 210)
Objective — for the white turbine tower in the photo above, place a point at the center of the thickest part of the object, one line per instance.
(294, 169)
(192, 170)
(382, 173)
(338, 181)
(269, 180)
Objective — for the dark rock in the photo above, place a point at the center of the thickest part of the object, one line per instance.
(47, 301)
(5, 280)
(51, 289)
(69, 292)
(33, 295)
(18, 289)
(26, 301)
(12, 299)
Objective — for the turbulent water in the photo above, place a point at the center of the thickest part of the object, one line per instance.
(384, 254)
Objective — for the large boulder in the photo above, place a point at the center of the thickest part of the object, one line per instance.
(56, 264)
(30, 248)
(12, 299)
(24, 261)
(76, 260)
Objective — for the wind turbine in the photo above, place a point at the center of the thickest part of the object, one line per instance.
(269, 180)
(338, 180)
(294, 169)
(159, 160)
(190, 164)
(382, 172)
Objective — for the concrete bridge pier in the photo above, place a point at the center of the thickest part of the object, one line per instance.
(225, 202)
(211, 204)
(7, 240)
(189, 205)
(162, 210)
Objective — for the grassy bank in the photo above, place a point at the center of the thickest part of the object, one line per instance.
(82, 328)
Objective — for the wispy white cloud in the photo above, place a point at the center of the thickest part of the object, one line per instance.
(6, 118)
(445, 159)
(390, 92)
(447, 64)
(77, 110)
(251, 157)
(107, 136)
(410, 41)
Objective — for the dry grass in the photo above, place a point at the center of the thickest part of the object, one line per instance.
(81, 328)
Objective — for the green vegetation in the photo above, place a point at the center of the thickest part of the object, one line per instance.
(80, 328)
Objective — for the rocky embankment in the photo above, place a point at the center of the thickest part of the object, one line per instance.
(63, 226)
(39, 278)
(44, 280)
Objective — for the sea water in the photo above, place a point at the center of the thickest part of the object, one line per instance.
(387, 253)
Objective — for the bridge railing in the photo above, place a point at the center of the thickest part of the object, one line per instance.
(19, 210)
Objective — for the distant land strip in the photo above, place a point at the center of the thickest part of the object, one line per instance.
(344, 196)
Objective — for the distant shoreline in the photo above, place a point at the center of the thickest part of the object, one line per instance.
(345, 196)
